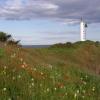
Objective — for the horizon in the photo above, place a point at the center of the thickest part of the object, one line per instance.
(47, 22)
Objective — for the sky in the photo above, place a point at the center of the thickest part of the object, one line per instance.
(38, 22)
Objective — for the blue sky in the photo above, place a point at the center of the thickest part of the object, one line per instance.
(49, 21)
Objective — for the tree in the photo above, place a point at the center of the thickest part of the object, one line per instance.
(4, 37)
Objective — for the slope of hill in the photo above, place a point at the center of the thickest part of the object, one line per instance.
(69, 72)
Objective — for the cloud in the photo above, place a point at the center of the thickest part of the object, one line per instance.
(47, 37)
(59, 10)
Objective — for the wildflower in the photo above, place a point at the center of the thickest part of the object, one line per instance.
(5, 67)
(84, 83)
(4, 72)
(75, 95)
(55, 88)
(24, 63)
(13, 55)
(19, 76)
(66, 93)
(13, 78)
(50, 66)
(93, 89)
(9, 99)
(32, 84)
(84, 91)
(40, 85)
(78, 91)
(4, 89)
(83, 96)
(81, 78)
(32, 79)
(48, 89)
(21, 59)
(41, 73)
(34, 69)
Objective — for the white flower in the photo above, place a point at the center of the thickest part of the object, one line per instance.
(21, 59)
(9, 99)
(5, 67)
(24, 63)
(41, 73)
(48, 89)
(84, 83)
(32, 79)
(34, 69)
(81, 78)
(4, 89)
(13, 55)
(40, 85)
(19, 76)
(75, 95)
(66, 93)
(55, 88)
(32, 84)
(83, 96)
(4, 72)
(78, 91)
(13, 78)
(84, 91)
(50, 66)
(93, 89)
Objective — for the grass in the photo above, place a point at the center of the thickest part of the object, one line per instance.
(50, 73)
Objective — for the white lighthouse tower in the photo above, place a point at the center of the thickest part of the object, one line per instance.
(83, 27)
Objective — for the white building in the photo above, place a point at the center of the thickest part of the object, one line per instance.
(83, 27)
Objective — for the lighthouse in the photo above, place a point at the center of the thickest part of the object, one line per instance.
(83, 27)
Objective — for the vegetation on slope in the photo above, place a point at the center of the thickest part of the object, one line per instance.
(55, 73)
(7, 38)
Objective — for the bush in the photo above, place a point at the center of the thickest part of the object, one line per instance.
(13, 42)
(4, 37)
(69, 44)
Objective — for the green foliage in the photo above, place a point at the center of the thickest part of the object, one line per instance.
(51, 73)
(13, 42)
(4, 37)
(1, 52)
(76, 44)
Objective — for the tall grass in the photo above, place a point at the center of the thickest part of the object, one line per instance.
(49, 74)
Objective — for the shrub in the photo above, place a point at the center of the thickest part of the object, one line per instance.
(4, 37)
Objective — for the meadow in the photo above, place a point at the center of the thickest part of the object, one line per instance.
(62, 72)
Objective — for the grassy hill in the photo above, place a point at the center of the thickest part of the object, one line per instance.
(61, 72)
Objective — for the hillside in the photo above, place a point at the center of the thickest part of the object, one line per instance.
(61, 72)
